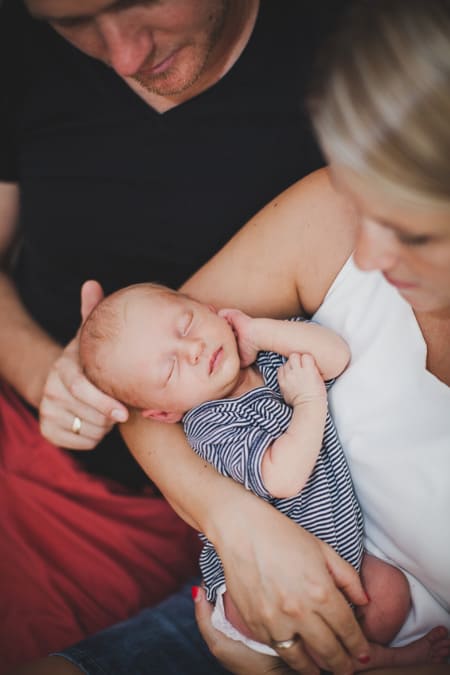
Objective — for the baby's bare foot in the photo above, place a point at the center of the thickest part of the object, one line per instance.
(434, 647)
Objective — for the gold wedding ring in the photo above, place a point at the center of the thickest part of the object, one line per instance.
(76, 425)
(285, 644)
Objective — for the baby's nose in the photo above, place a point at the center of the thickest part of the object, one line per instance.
(194, 349)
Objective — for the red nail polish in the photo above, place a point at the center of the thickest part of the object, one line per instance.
(194, 592)
(364, 659)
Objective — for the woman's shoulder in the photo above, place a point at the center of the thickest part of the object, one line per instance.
(284, 260)
(316, 229)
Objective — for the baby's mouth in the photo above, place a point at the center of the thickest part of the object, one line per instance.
(214, 360)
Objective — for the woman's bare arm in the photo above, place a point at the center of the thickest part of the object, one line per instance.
(239, 659)
(282, 579)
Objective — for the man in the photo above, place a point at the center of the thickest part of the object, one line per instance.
(136, 138)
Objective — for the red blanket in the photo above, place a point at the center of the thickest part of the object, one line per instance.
(78, 553)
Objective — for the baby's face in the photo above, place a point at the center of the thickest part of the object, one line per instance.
(179, 353)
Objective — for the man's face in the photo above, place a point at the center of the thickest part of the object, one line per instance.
(175, 351)
(163, 44)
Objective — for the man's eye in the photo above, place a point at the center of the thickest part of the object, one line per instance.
(67, 24)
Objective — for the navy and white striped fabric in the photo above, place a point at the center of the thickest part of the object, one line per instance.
(233, 434)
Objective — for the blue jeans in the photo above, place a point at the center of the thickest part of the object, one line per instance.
(162, 640)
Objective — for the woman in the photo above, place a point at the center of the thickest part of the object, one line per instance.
(382, 115)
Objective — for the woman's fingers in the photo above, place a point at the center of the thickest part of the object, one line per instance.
(319, 644)
(234, 655)
(285, 582)
(298, 658)
(345, 577)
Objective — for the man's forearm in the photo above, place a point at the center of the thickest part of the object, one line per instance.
(26, 351)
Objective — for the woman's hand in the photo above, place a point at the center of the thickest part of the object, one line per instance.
(242, 328)
(287, 583)
(233, 655)
(68, 395)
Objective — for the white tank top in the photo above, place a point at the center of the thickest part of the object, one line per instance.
(393, 419)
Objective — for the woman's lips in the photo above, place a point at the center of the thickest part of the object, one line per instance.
(215, 360)
(399, 284)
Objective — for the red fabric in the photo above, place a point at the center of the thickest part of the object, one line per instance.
(78, 553)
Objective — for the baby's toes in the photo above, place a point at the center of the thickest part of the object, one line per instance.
(440, 651)
(439, 644)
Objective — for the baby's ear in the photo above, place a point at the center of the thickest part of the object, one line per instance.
(162, 416)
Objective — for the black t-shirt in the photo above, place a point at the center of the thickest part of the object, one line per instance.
(112, 190)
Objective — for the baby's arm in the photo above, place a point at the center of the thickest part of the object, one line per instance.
(289, 461)
(330, 351)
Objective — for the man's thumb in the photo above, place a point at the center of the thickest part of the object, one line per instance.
(91, 294)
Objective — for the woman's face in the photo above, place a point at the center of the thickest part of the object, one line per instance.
(408, 242)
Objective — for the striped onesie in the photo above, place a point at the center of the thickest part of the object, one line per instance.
(233, 434)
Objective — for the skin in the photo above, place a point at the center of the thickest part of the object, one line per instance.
(315, 595)
(408, 242)
(167, 50)
(416, 248)
(269, 262)
(127, 35)
(240, 659)
(185, 357)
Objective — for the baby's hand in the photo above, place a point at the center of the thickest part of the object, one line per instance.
(300, 380)
(242, 328)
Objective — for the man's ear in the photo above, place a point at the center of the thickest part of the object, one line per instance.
(162, 416)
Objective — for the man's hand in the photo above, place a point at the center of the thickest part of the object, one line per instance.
(69, 395)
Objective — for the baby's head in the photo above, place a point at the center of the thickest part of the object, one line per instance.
(158, 350)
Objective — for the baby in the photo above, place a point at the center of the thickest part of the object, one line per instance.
(252, 399)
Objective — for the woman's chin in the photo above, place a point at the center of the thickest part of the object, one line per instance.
(423, 301)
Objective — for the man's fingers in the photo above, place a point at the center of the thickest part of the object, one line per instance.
(91, 294)
(85, 393)
(66, 439)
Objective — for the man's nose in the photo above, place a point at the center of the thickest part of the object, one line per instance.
(376, 247)
(127, 43)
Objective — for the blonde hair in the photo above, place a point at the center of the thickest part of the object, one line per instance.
(381, 102)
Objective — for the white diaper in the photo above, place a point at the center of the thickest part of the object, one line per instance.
(220, 622)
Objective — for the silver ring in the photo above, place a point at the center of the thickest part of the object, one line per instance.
(285, 644)
(76, 425)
